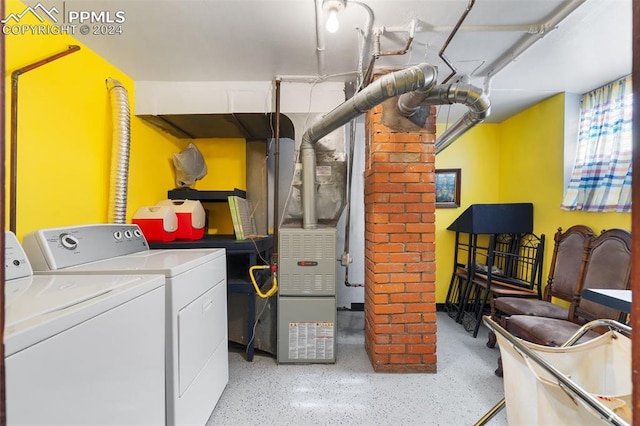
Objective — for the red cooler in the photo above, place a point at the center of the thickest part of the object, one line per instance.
(158, 223)
(191, 218)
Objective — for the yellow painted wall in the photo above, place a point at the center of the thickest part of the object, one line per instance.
(531, 169)
(65, 135)
(65, 132)
(226, 170)
(65, 141)
(518, 160)
(477, 154)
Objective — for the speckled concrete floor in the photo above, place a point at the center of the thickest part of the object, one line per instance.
(349, 392)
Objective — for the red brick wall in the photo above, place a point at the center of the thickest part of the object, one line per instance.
(400, 304)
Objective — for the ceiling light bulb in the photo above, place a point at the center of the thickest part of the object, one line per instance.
(332, 21)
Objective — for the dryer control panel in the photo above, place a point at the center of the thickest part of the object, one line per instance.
(58, 248)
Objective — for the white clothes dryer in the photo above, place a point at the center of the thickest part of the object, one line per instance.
(77, 350)
(197, 364)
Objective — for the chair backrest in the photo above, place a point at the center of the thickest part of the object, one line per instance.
(518, 259)
(609, 267)
(503, 245)
(568, 264)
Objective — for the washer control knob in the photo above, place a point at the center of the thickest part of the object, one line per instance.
(117, 235)
(128, 235)
(68, 241)
(137, 233)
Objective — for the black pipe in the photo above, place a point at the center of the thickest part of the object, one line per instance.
(14, 127)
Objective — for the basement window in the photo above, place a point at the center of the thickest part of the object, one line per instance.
(601, 176)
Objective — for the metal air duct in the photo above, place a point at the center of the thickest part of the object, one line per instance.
(415, 85)
(410, 104)
(419, 77)
(120, 151)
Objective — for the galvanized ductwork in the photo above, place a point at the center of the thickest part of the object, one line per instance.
(119, 152)
(417, 88)
(418, 77)
(411, 104)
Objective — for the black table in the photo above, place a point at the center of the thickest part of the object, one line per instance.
(257, 251)
(616, 299)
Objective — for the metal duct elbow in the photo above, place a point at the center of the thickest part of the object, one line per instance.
(479, 109)
(446, 94)
(121, 142)
(410, 103)
(418, 77)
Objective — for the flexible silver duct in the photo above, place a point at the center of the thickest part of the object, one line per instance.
(418, 77)
(478, 103)
(121, 142)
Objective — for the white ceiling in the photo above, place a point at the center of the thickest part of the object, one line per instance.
(259, 40)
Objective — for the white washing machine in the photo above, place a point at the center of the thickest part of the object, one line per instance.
(77, 350)
(197, 363)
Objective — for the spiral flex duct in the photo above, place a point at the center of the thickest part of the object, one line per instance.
(121, 142)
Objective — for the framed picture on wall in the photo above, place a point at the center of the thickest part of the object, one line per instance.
(448, 188)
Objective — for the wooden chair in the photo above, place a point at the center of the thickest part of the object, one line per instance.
(566, 275)
(609, 267)
(513, 268)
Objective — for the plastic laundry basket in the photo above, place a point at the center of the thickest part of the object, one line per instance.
(601, 367)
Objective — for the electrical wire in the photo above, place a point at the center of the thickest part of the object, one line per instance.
(255, 324)
(258, 250)
(263, 174)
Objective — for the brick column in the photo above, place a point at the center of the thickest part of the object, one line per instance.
(400, 305)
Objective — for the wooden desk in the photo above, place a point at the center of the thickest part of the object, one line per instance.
(616, 299)
(255, 251)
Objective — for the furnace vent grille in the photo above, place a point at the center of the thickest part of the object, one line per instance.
(307, 261)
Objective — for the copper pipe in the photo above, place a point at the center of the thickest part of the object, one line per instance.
(276, 173)
(14, 128)
(446, 43)
(377, 53)
(406, 48)
(3, 97)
